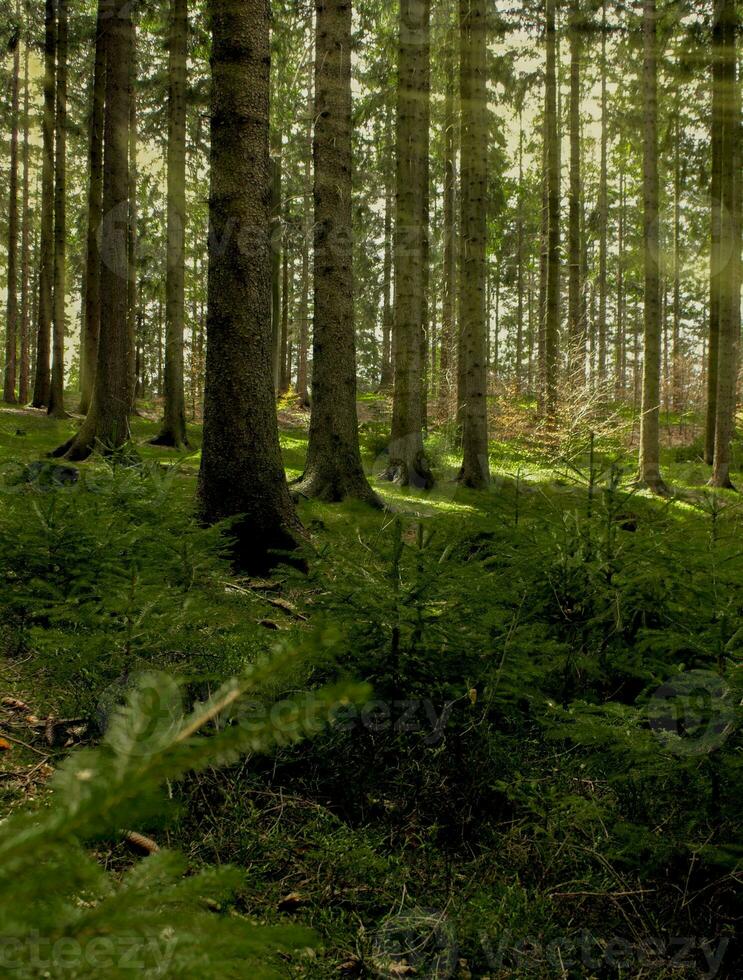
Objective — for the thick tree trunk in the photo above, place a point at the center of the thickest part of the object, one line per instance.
(173, 431)
(92, 309)
(730, 244)
(577, 343)
(107, 422)
(715, 276)
(449, 277)
(24, 372)
(304, 298)
(407, 462)
(552, 297)
(333, 470)
(603, 209)
(242, 475)
(472, 262)
(649, 473)
(56, 394)
(42, 374)
(11, 327)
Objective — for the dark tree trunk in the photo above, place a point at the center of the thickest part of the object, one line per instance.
(333, 470)
(42, 374)
(304, 299)
(242, 475)
(56, 394)
(24, 372)
(386, 375)
(284, 361)
(730, 244)
(173, 431)
(407, 463)
(107, 422)
(92, 310)
(11, 328)
(649, 474)
(449, 277)
(552, 297)
(132, 237)
(473, 224)
(715, 278)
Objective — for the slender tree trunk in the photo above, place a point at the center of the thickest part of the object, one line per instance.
(603, 209)
(620, 343)
(676, 362)
(716, 139)
(407, 462)
(730, 244)
(285, 362)
(577, 351)
(552, 298)
(173, 431)
(11, 329)
(24, 373)
(449, 278)
(472, 264)
(42, 374)
(518, 367)
(276, 177)
(132, 236)
(304, 300)
(333, 470)
(107, 421)
(386, 377)
(649, 473)
(241, 468)
(92, 312)
(56, 396)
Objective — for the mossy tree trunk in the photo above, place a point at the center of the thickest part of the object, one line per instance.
(408, 465)
(173, 431)
(107, 422)
(333, 470)
(649, 471)
(242, 474)
(56, 393)
(473, 230)
(92, 308)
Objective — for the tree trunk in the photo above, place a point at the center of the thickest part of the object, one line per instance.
(603, 209)
(577, 348)
(552, 297)
(407, 462)
(11, 329)
(304, 299)
(620, 342)
(386, 375)
(449, 277)
(24, 372)
(56, 395)
(241, 467)
(676, 359)
(173, 431)
(132, 246)
(730, 244)
(715, 277)
(285, 363)
(42, 374)
(107, 421)
(649, 474)
(276, 264)
(472, 262)
(333, 470)
(518, 366)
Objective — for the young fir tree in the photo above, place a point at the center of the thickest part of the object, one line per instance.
(333, 470)
(241, 467)
(173, 431)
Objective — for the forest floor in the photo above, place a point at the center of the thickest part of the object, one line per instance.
(524, 797)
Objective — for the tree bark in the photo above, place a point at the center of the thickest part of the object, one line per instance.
(107, 422)
(475, 471)
(649, 473)
(56, 394)
(173, 431)
(449, 278)
(304, 299)
(603, 210)
(386, 376)
(42, 374)
(715, 272)
(242, 475)
(552, 297)
(284, 360)
(577, 348)
(24, 372)
(276, 264)
(92, 309)
(132, 235)
(730, 245)
(11, 328)
(333, 470)
(408, 465)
